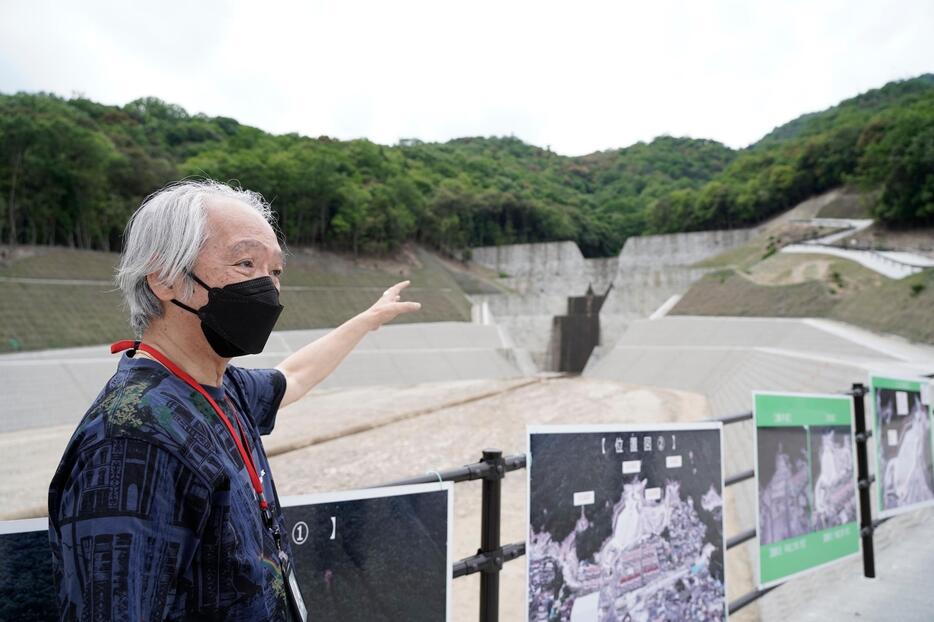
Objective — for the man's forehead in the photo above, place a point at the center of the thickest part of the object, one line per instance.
(252, 244)
(230, 217)
(236, 228)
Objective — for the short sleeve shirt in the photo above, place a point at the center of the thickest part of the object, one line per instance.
(152, 515)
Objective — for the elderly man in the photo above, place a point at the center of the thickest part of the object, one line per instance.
(163, 506)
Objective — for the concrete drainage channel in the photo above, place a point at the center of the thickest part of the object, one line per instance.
(575, 335)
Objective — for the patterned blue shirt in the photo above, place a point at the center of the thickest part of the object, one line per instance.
(151, 512)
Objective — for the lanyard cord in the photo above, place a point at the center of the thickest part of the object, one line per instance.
(133, 346)
(243, 435)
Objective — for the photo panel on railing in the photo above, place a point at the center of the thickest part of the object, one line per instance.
(902, 428)
(807, 503)
(626, 523)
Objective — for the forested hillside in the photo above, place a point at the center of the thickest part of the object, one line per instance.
(881, 141)
(71, 172)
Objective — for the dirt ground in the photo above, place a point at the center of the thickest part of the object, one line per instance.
(790, 269)
(357, 438)
(455, 434)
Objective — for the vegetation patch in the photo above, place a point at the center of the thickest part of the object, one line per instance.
(80, 306)
(902, 307)
(729, 293)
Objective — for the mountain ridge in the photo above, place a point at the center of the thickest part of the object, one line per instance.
(72, 171)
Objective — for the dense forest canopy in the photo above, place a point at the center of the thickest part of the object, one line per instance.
(72, 171)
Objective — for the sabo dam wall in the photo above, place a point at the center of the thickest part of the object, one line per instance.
(540, 277)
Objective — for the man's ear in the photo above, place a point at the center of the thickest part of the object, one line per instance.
(163, 292)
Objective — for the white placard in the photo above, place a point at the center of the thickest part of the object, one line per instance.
(583, 498)
(673, 462)
(926, 394)
(653, 494)
(631, 466)
(901, 402)
(892, 438)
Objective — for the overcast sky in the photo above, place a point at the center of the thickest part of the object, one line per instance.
(576, 76)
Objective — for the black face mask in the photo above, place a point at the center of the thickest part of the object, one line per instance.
(239, 317)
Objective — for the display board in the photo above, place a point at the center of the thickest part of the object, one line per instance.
(625, 523)
(376, 555)
(901, 420)
(27, 591)
(807, 508)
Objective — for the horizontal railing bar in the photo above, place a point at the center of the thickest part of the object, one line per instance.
(516, 462)
(466, 473)
(482, 561)
(867, 531)
(739, 477)
(753, 596)
(492, 561)
(748, 598)
(734, 418)
(743, 536)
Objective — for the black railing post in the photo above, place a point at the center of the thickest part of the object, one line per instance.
(490, 534)
(862, 474)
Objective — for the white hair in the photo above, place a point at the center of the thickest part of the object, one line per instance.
(165, 236)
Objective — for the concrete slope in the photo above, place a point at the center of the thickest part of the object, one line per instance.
(680, 249)
(805, 339)
(55, 387)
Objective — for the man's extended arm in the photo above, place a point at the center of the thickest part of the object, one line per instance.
(313, 363)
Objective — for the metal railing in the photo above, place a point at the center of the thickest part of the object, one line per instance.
(493, 467)
(864, 482)
(491, 555)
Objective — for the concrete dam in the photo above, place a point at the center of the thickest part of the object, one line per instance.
(541, 279)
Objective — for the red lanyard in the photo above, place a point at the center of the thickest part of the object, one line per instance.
(120, 346)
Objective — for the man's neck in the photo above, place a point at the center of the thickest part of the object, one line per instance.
(193, 355)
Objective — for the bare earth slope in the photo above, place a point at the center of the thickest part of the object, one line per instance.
(755, 280)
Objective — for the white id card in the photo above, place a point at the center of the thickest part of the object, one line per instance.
(295, 598)
(292, 593)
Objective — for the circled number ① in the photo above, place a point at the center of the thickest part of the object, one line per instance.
(300, 532)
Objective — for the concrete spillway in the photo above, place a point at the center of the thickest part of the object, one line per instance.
(541, 277)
